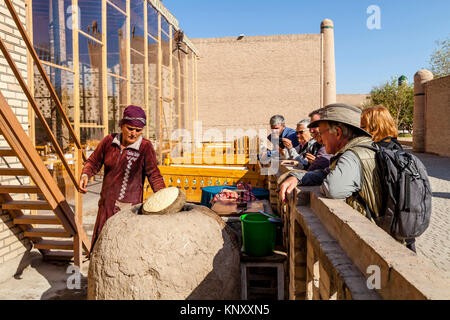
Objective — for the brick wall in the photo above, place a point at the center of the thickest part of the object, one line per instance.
(242, 83)
(353, 99)
(12, 242)
(437, 116)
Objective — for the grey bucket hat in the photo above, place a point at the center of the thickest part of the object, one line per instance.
(343, 113)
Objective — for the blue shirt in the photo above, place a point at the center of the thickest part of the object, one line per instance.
(288, 133)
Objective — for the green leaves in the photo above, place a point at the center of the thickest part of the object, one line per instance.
(398, 99)
(440, 58)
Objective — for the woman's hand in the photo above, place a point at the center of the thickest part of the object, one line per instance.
(83, 183)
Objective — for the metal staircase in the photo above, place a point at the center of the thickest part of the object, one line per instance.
(57, 232)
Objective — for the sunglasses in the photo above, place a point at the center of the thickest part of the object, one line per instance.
(300, 132)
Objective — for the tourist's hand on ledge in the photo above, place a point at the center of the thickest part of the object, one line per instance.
(287, 187)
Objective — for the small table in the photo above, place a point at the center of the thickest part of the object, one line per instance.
(230, 208)
(209, 192)
(276, 260)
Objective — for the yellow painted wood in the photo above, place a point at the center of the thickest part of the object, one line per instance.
(191, 180)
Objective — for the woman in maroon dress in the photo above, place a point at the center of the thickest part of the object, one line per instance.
(128, 158)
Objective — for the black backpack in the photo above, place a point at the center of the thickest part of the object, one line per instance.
(406, 191)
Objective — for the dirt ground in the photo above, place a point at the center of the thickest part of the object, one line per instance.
(36, 279)
(39, 280)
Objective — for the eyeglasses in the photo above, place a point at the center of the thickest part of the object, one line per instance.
(320, 133)
(300, 132)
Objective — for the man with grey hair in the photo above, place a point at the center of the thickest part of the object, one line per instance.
(297, 155)
(353, 174)
(313, 155)
(280, 131)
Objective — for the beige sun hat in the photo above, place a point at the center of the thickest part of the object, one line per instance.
(343, 113)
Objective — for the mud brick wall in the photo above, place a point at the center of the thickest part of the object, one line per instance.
(242, 83)
(437, 116)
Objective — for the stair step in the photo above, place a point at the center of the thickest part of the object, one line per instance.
(26, 205)
(7, 153)
(13, 172)
(36, 219)
(47, 232)
(19, 189)
(54, 244)
(59, 255)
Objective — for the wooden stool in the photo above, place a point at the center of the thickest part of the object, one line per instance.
(276, 260)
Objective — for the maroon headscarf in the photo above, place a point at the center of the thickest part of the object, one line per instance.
(134, 116)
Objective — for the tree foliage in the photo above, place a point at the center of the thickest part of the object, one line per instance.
(440, 59)
(398, 99)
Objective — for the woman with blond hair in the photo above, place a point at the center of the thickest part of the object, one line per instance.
(379, 123)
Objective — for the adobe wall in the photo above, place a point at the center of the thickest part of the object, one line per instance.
(437, 116)
(356, 100)
(12, 242)
(242, 83)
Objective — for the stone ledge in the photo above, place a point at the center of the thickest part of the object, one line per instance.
(332, 256)
(404, 275)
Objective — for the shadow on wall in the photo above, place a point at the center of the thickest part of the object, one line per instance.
(215, 286)
(56, 275)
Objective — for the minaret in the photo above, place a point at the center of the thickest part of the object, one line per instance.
(329, 66)
(420, 78)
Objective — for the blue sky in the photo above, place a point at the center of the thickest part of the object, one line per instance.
(364, 58)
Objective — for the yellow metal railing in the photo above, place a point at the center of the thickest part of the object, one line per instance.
(211, 164)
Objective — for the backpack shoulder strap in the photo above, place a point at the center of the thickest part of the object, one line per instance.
(373, 148)
(369, 213)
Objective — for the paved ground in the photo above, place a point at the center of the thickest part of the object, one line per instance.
(36, 279)
(435, 242)
(39, 280)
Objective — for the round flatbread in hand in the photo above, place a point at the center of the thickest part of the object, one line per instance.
(168, 200)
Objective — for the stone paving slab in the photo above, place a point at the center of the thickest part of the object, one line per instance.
(434, 243)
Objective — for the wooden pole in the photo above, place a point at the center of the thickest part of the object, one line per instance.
(38, 112)
(146, 79)
(160, 144)
(42, 72)
(104, 93)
